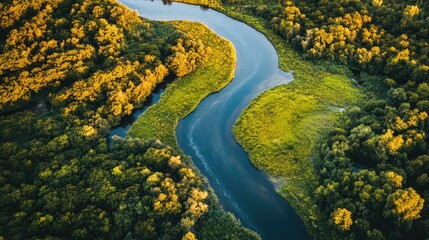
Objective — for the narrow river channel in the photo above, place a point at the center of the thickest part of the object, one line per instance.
(206, 134)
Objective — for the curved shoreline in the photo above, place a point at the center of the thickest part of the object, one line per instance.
(164, 129)
(251, 196)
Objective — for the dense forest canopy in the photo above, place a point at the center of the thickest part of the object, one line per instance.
(56, 184)
(81, 189)
(120, 53)
(69, 71)
(379, 37)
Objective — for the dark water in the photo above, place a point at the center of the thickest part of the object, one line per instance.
(206, 134)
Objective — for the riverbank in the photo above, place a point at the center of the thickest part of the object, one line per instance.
(206, 134)
(180, 98)
(281, 127)
(184, 94)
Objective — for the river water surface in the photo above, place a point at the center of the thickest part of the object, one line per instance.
(206, 134)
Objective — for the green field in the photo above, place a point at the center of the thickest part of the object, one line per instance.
(281, 128)
(183, 95)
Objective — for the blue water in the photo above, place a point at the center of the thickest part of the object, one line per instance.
(206, 134)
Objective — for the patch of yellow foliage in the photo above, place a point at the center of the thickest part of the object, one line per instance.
(407, 203)
(189, 236)
(394, 179)
(393, 143)
(343, 218)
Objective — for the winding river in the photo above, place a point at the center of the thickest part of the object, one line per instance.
(206, 134)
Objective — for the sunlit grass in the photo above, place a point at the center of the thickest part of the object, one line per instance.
(183, 95)
(281, 128)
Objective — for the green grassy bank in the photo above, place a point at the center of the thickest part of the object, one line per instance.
(183, 95)
(281, 128)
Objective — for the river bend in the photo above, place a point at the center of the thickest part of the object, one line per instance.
(206, 134)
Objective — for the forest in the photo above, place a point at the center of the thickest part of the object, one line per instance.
(69, 71)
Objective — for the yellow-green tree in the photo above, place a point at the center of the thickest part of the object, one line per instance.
(189, 236)
(342, 218)
(405, 204)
